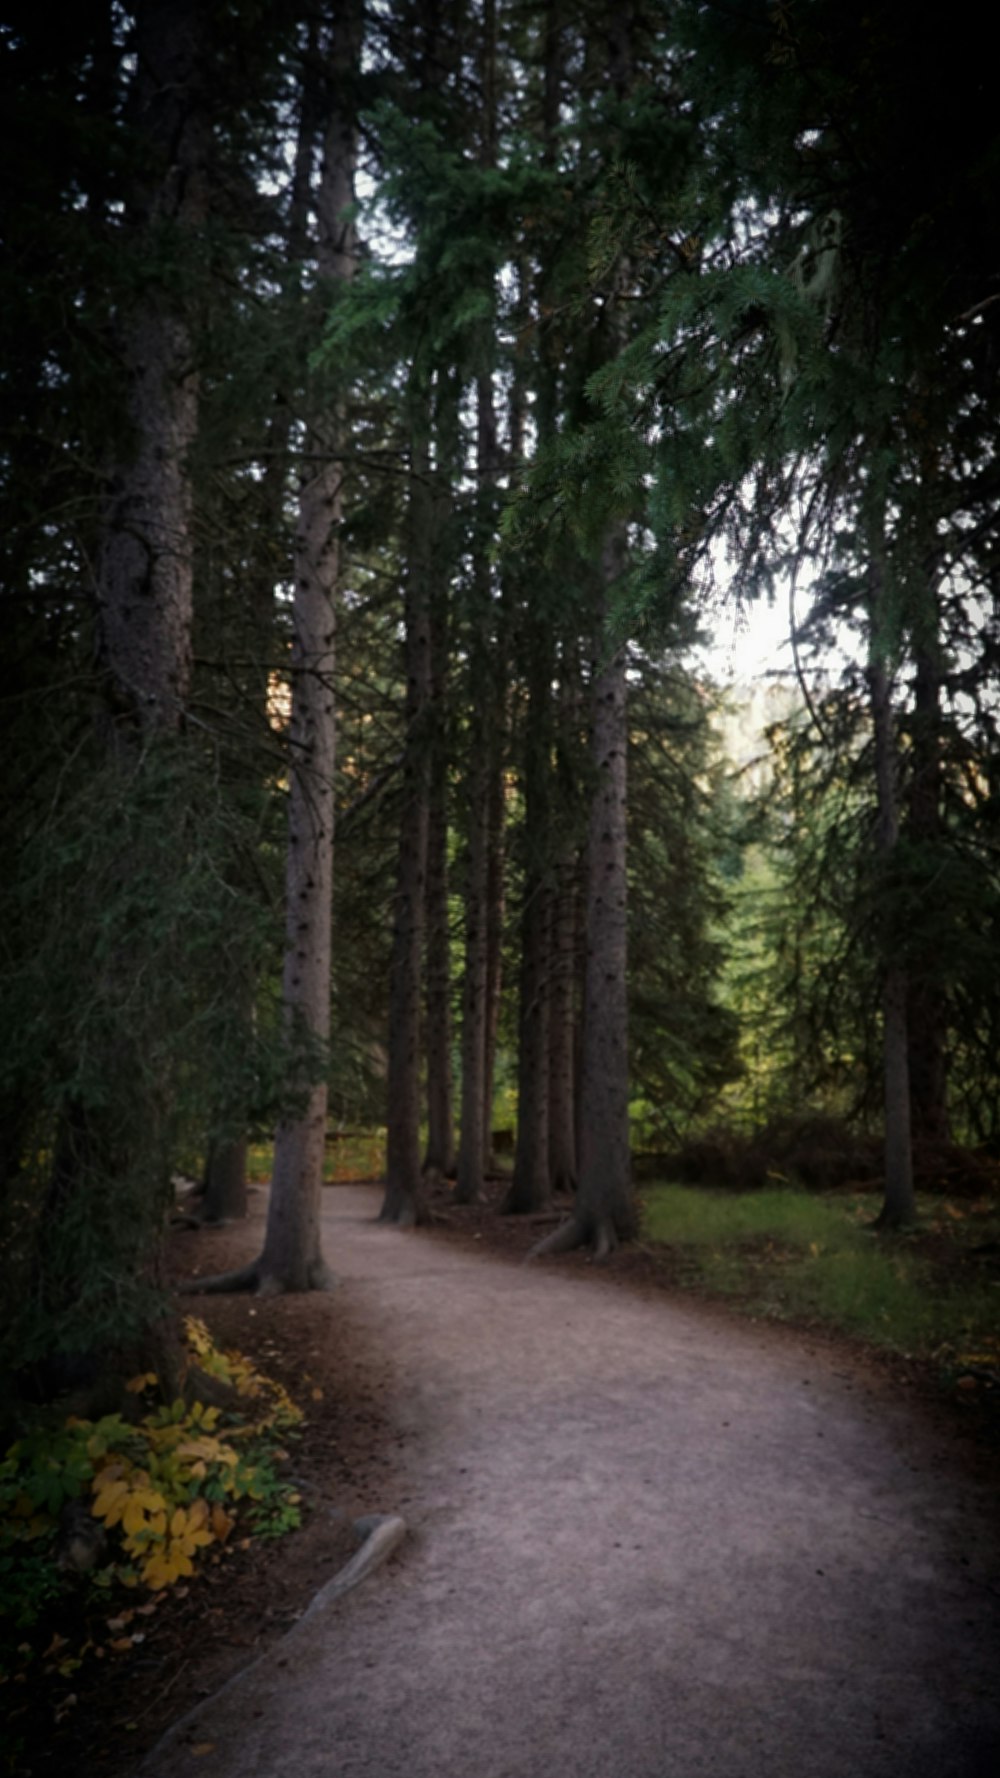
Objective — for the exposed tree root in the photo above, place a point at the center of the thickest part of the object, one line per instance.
(222, 1283)
(254, 1279)
(565, 1239)
(573, 1234)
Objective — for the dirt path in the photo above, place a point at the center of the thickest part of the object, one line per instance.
(644, 1544)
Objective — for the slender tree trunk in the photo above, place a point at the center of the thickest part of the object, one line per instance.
(470, 1175)
(927, 1004)
(898, 1206)
(439, 1160)
(562, 1027)
(495, 914)
(402, 1203)
(475, 1106)
(530, 1190)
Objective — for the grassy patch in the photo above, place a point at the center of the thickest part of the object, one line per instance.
(355, 1155)
(932, 1293)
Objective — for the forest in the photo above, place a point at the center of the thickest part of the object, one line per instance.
(398, 395)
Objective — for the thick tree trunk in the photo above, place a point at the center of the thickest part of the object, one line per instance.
(292, 1257)
(143, 580)
(898, 1207)
(144, 572)
(402, 1202)
(605, 1212)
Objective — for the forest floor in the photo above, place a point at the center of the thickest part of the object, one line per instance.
(360, 1449)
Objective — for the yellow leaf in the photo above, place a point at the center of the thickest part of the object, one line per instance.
(222, 1523)
(197, 1515)
(178, 1522)
(122, 1644)
(200, 1748)
(109, 1502)
(147, 1380)
(158, 1571)
(317, 1394)
(133, 1515)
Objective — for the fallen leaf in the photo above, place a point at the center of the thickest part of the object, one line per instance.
(200, 1748)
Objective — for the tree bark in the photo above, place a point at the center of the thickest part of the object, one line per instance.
(292, 1258)
(496, 906)
(530, 1189)
(476, 1107)
(898, 1207)
(562, 1032)
(439, 1160)
(605, 1213)
(144, 570)
(402, 1203)
(926, 1000)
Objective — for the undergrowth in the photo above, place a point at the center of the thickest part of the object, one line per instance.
(794, 1255)
(98, 1515)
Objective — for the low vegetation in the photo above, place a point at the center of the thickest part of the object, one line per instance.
(98, 1518)
(931, 1293)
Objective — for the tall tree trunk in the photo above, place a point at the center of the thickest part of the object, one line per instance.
(475, 1107)
(529, 1189)
(439, 1160)
(224, 1196)
(470, 1175)
(604, 1212)
(292, 1257)
(926, 1002)
(144, 573)
(143, 597)
(898, 1207)
(402, 1203)
(562, 1028)
(496, 907)
(605, 1203)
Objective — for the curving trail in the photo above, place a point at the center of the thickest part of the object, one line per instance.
(644, 1543)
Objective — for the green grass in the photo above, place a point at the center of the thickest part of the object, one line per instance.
(815, 1257)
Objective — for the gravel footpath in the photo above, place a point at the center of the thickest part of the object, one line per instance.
(642, 1542)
